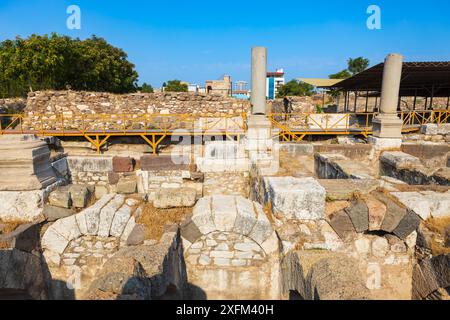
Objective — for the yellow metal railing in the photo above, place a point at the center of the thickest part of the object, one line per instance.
(153, 128)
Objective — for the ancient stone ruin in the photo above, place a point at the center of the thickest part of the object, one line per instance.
(245, 217)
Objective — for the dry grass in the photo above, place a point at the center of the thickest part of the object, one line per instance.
(438, 226)
(5, 228)
(155, 219)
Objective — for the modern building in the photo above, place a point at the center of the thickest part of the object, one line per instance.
(222, 87)
(273, 83)
(240, 90)
(193, 87)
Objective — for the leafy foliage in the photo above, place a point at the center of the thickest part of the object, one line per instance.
(344, 74)
(60, 62)
(146, 88)
(295, 88)
(357, 65)
(176, 86)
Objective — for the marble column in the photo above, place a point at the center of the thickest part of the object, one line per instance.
(387, 124)
(259, 74)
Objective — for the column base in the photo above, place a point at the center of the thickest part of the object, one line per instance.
(385, 143)
(387, 126)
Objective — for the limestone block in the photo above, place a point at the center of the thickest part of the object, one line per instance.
(24, 163)
(90, 164)
(60, 198)
(79, 195)
(21, 205)
(415, 202)
(53, 241)
(202, 216)
(127, 185)
(380, 247)
(262, 228)
(272, 244)
(296, 198)
(175, 198)
(245, 218)
(399, 159)
(91, 215)
(133, 234)
(377, 211)
(224, 212)
(123, 164)
(107, 215)
(439, 203)
(120, 221)
(100, 191)
(67, 227)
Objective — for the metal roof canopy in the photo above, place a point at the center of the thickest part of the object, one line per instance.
(418, 79)
(320, 83)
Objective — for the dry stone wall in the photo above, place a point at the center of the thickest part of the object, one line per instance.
(75, 102)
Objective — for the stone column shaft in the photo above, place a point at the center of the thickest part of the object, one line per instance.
(259, 74)
(392, 74)
(387, 124)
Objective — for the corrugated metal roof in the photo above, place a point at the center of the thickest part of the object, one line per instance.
(321, 83)
(417, 77)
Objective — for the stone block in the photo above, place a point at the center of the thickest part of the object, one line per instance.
(107, 215)
(394, 213)
(21, 205)
(342, 225)
(24, 163)
(245, 218)
(53, 241)
(89, 164)
(377, 211)
(52, 213)
(190, 231)
(123, 164)
(224, 212)
(359, 214)
(262, 229)
(202, 216)
(380, 247)
(175, 198)
(385, 143)
(60, 198)
(415, 202)
(67, 227)
(127, 185)
(113, 178)
(137, 236)
(338, 166)
(120, 221)
(398, 159)
(161, 162)
(296, 198)
(61, 167)
(407, 225)
(79, 195)
(100, 191)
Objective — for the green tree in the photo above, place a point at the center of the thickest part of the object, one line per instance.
(176, 86)
(60, 62)
(146, 88)
(344, 74)
(295, 88)
(357, 65)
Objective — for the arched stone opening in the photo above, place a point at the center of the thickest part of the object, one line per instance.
(231, 250)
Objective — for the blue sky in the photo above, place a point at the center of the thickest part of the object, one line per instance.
(199, 40)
